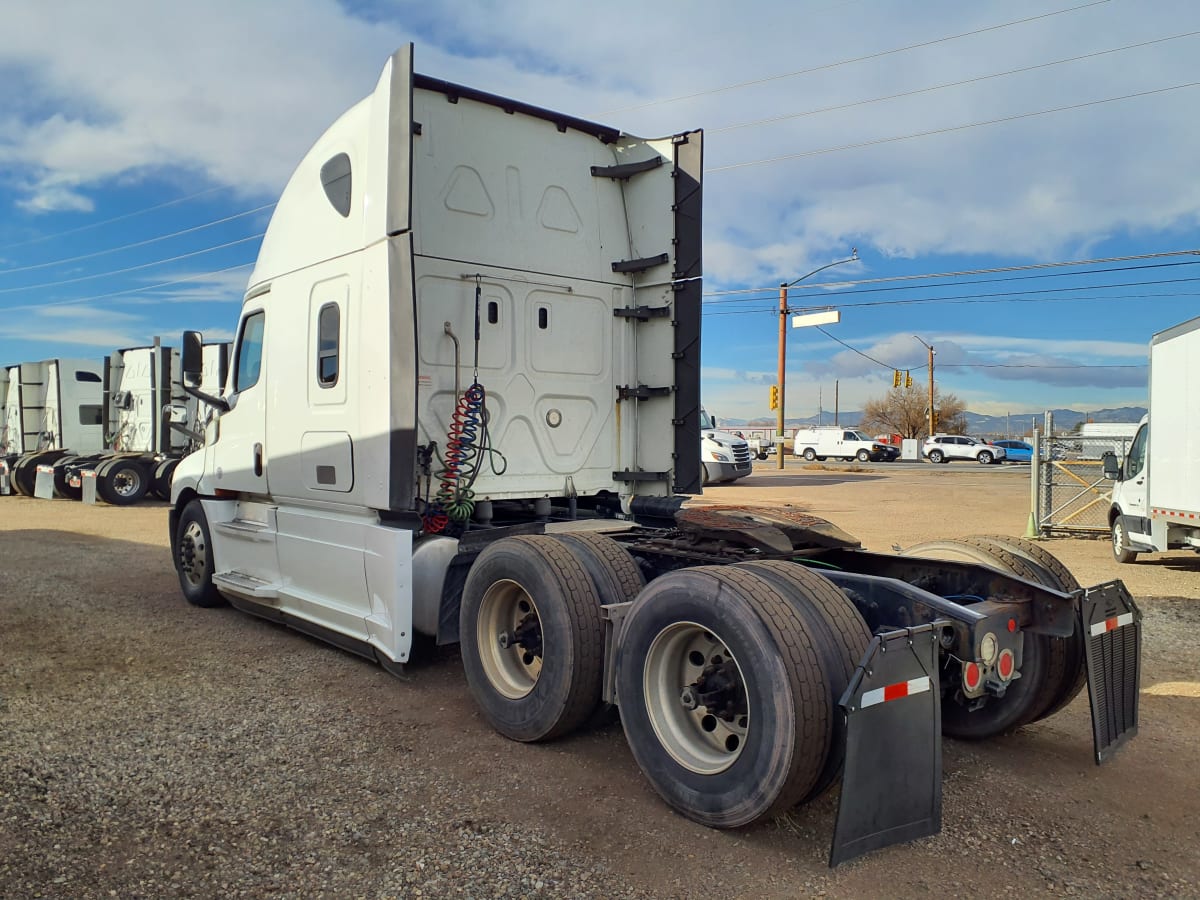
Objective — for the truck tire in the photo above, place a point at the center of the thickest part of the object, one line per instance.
(936, 456)
(194, 558)
(1043, 667)
(762, 454)
(122, 482)
(841, 634)
(532, 639)
(161, 483)
(61, 487)
(1120, 543)
(615, 574)
(765, 750)
(1073, 672)
(863, 456)
(24, 476)
(985, 457)
(810, 454)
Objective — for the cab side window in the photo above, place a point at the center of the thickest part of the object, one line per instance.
(328, 336)
(1137, 453)
(249, 357)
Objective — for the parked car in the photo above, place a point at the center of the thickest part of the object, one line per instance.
(1016, 451)
(941, 448)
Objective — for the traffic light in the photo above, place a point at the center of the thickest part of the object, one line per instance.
(774, 396)
(895, 378)
(907, 379)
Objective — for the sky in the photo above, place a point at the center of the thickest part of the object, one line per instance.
(142, 145)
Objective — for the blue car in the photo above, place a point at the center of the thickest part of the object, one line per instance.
(1016, 451)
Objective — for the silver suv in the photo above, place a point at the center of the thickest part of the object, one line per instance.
(941, 448)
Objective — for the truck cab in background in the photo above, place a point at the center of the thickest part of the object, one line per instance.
(1156, 490)
(725, 456)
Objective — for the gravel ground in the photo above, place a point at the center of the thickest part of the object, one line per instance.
(150, 749)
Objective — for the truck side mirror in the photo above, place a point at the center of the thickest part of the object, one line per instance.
(1112, 466)
(193, 358)
(714, 421)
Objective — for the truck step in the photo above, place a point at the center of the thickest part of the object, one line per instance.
(246, 585)
(246, 530)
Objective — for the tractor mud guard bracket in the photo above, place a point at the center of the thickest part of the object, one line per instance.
(1112, 631)
(892, 782)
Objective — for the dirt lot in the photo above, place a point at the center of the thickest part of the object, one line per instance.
(148, 748)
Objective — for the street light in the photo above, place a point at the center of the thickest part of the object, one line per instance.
(930, 348)
(816, 319)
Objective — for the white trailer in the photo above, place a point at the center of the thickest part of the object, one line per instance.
(1156, 494)
(474, 323)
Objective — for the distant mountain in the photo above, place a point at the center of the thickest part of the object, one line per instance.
(977, 423)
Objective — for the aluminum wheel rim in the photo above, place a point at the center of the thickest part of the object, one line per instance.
(513, 670)
(695, 738)
(193, 555)
(126, 483)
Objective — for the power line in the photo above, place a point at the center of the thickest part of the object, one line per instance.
(1027, 267)
(157, 262)
(846, 62)
(138, 290)
(949, 129)
(892, 368)
(945, 85)
(144, 243)
(120, 218)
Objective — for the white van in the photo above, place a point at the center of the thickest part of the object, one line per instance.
(823, 442)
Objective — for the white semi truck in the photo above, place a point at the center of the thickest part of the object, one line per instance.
(1156, 491)
(136, 423)
(474, 324)
(724, 456)
(50, 405)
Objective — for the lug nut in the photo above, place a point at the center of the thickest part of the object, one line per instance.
(688, 698)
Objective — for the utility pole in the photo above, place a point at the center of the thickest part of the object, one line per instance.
(815, 319)
(930, 348)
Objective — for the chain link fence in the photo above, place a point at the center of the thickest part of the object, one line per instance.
(1069, 493)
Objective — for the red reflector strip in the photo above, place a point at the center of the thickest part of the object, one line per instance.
(1112, 624)
(895, 691)
(45, 468)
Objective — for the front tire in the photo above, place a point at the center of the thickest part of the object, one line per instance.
(985, 458)
(194, 558)
(1120, 543)
(532, 639)
(863, 456)
(722, 696)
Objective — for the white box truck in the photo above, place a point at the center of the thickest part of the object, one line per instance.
(1156, 490)
(474, 324)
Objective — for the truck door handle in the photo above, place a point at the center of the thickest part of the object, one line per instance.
(258, 466)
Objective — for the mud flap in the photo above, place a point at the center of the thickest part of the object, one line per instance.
(43, 485)
(892, 782)
(1112, 627)
(5, 485)
(88, 485)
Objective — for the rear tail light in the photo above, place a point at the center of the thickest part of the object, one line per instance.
(1006, 665)
(972, 677)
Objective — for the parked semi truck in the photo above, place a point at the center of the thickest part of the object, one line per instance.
(50, 405)
(471, 336)
(136, 423)
(724, 456)
(1156, 491)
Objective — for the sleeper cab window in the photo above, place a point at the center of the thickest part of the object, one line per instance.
(328, 348)
(249, 357)
(335, 178)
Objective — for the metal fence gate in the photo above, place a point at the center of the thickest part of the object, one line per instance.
(1068, 492)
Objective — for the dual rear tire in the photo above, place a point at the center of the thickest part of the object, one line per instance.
(727, 677)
